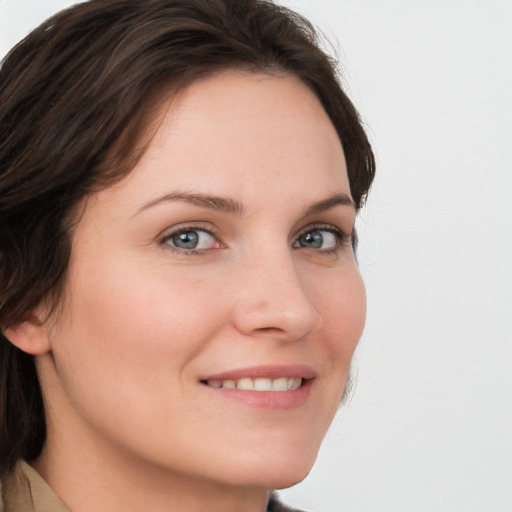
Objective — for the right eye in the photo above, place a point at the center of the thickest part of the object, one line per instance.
(188, 239)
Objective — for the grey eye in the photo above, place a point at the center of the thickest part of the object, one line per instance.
(317, 239)
(192, 239)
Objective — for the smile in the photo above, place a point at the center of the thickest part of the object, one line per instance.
(271, 387)
(258, 384)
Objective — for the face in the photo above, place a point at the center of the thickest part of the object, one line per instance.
(213, 302)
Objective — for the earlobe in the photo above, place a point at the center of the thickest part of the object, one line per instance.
(29, 335)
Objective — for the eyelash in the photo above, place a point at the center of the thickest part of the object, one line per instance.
(342, 239)
(187, 229)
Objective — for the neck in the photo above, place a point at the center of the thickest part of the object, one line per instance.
(109, 483)
(88, 472)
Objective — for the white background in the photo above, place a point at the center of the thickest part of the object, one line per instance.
(429, 427)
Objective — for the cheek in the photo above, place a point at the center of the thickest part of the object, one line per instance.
(127, 324)
(342, 305)
(123, 350)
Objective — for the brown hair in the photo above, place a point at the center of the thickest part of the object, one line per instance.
(75, 99)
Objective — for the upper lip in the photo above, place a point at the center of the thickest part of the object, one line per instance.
(265, 371)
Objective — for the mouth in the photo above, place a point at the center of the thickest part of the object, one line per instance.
(269, 387)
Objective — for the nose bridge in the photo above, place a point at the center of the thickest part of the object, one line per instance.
(272, 296)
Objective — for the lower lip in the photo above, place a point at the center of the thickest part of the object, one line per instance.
(276, 400)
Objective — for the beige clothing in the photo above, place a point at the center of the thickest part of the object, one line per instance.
(26, 491)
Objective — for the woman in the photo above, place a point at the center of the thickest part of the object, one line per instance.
(180, 297)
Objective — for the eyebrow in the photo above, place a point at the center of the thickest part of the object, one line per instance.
(227, 205)
(222, 204)
(330, 202)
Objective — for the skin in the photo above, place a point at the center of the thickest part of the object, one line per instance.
(130, 425)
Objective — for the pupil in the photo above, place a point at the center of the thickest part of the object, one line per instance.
(314, 240)
(186, 240)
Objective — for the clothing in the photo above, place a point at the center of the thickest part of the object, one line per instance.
(26, 491)
(274, 505)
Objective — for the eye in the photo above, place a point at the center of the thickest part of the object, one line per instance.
(191, 239)
(322, 239)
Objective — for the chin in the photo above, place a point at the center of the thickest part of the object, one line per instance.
(279, 472)
(284, 481)
(286, 476)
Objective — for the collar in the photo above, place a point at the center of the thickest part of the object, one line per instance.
(24, 489)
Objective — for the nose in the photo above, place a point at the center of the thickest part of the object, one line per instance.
(271, 299)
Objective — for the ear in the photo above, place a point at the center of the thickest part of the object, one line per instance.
(29, 335)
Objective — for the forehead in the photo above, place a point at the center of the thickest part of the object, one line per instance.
(239, 134)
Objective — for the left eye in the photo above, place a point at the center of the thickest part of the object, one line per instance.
(317, 239)
(191, 239)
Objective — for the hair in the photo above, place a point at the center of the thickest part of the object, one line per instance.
(76, 97)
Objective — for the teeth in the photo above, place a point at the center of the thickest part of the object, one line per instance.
(262, 384)
(245, 384)
(280, 384)
(259, 384)
(294, 383)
